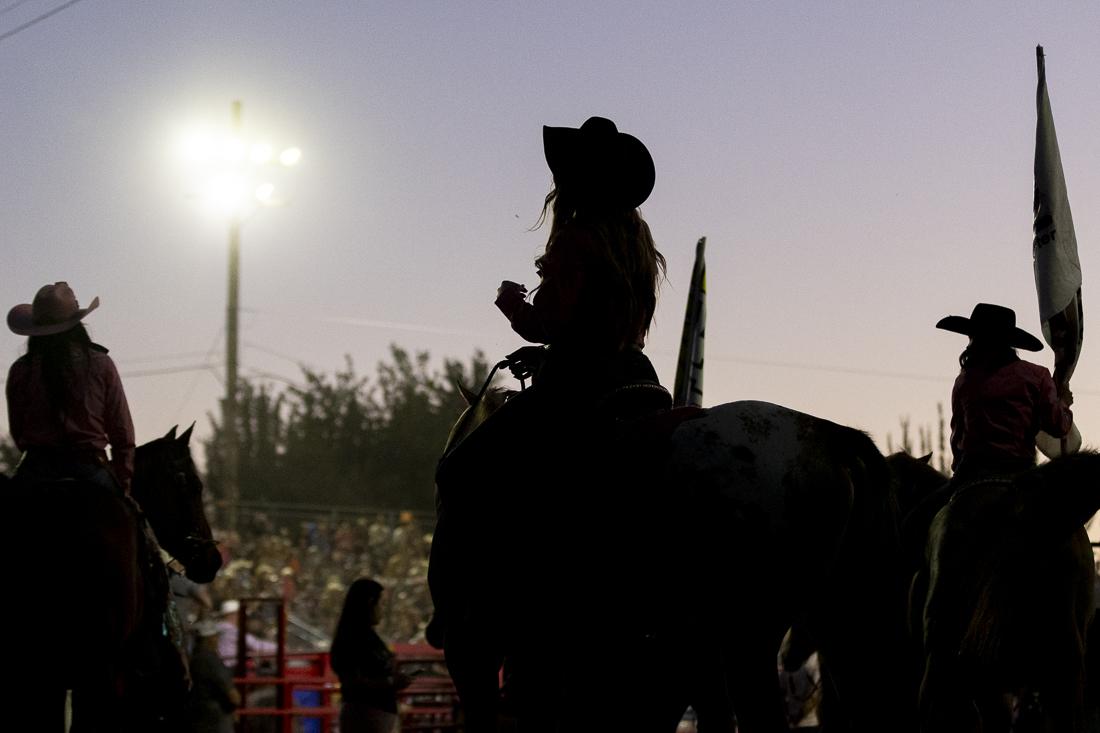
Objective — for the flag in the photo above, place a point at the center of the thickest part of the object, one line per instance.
(1057, 267)
(1054, 248)
(688, 389)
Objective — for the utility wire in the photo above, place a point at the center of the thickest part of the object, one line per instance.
(40, 18)
(169, 370)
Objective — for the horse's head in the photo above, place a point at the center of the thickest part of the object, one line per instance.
(169, 491)
(914, 479)
(478, 409)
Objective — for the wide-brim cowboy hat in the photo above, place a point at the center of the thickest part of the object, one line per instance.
(54, 310)
(994, 323)
(599, 165)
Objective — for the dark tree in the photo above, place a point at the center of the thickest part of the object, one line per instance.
(345, 439)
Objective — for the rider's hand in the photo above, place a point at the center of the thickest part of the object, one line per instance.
(510, 296)
(525, 362)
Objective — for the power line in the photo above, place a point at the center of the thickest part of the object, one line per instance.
(168, 370)
(39, 19)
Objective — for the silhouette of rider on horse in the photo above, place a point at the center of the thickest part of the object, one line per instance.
(66, 404)
(546, 464)
(999, 405)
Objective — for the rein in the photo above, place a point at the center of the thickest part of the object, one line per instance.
(192, 544)
(506, 362)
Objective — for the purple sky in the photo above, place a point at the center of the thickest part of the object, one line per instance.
(858, 170)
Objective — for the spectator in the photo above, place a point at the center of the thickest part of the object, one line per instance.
(369, 679)
(213, 698)
(228, 636)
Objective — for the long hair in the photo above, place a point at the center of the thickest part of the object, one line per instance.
(984, 353)
(61, 356)
(354, 625)
(636, 265)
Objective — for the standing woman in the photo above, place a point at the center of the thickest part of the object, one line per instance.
(65, 398)
(369, 680)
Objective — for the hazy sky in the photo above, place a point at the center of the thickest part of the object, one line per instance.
(859, 171)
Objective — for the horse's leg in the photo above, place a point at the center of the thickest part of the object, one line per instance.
(944, 707)
(40, 702)
(474, 666)
(754, 680)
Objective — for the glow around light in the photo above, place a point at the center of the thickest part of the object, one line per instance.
(231, 175)
(265, 193)
(261, 153)
(224, 195)
(290, 156)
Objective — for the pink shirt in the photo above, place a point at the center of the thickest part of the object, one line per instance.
(97, 413)
(996, 414)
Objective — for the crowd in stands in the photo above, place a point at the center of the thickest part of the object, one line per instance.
(310, 563)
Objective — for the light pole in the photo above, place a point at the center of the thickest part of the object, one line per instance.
(232, 451)
(229, 169)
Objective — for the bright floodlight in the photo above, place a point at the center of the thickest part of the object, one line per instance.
(290, 156)
(233, 150)
(225, 194)
(264, 193)
(261, 153)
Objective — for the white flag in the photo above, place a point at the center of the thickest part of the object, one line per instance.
(688, 389)
(1054, 248)
(1057, 268)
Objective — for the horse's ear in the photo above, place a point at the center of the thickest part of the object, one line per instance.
(467, 395)
(171, 433)
(185, 438)
(926, 459)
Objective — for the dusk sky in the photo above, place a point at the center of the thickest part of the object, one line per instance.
(859, 170)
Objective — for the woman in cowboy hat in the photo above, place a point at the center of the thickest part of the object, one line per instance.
(599, 276)
(600, 271)
(65, 397)
(1000, 402)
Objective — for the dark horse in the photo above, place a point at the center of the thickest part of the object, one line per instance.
(668, 571)
(1005, 599)
(85, 603)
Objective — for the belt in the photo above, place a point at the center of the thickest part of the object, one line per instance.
(73, 454)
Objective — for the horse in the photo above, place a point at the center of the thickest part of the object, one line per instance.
(769, 517)
(87, 595)
(1004, 601)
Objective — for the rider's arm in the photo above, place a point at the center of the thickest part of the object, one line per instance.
(118, 425)
(1053, 414)
(15, 410)
(553, 309)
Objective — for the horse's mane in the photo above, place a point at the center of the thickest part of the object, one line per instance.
(478, 410)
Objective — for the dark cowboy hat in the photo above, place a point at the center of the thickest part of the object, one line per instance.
(993, 322)
(54, 310)
(598, 164)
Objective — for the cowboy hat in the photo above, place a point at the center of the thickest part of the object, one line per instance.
(992, 322)
(54, 310)
(598, 164)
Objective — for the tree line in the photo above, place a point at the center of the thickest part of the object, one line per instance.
(346, 439)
